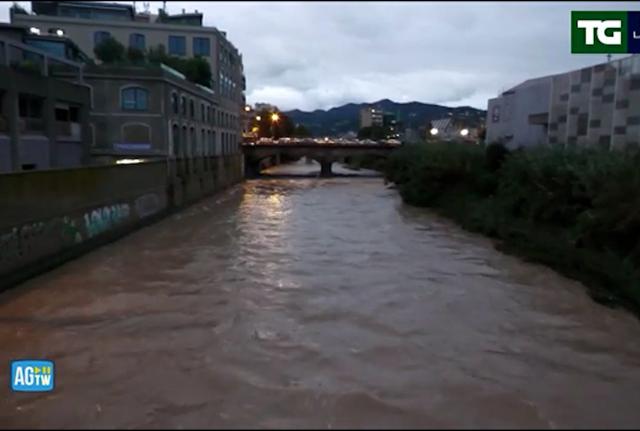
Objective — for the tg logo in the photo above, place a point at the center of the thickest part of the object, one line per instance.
(593, 27)
(605, 32)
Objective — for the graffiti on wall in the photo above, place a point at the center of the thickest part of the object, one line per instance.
(103, 219)
(19, 241)
(147, 205)
(69, 231)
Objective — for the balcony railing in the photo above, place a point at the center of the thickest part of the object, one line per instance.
(28, 124)
(28, 59)
(68, 130)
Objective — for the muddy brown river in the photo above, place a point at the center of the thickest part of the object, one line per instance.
(322, 303)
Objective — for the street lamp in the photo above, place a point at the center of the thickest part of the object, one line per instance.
(274, 119)
(433, 131)
(464, 132)
(258, 118)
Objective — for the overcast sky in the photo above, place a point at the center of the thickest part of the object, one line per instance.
(310, 55)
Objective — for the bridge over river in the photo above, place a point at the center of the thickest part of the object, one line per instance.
(325, 152)
(315, 303)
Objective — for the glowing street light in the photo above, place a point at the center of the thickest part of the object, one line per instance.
(247, 108)
(258, 118)
(433, 131)
(464, 132)
(275, 117)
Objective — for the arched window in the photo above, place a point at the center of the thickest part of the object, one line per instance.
(100, 36)
(184, 144)
(134, 99)
(203, 143)
(174, 103)
(192, 108)
(183, 105)
(175, 134)
(194, 142)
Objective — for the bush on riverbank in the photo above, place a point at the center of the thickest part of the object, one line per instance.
(575, 210)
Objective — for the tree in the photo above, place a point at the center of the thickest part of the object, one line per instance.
(373, 132)
(110, 51)
(195, 69)
(135, 55)
(301, 131)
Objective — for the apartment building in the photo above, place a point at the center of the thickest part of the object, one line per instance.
(371, 116)
(43, 119)
(183, 35)
(594, 106)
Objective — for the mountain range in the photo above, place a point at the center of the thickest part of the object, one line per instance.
(346, 118)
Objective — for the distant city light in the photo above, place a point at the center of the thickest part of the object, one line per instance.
(60, 32)
(433, 131)
(247, 108)
(128, 161)
(464, 132)
(34, 30)
(258, 118)
(275, 117)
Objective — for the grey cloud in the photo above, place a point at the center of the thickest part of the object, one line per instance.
(312, 55)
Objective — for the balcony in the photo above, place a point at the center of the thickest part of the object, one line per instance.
(28, 125)
(68, 131)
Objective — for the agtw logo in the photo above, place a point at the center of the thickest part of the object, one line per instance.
(32, 376)
(605, 32)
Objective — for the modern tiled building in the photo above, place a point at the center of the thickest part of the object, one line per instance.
(182, 35)
(593, 106)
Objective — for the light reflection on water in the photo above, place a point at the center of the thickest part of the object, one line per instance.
(316, 303)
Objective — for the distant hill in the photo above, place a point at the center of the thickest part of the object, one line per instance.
(346, 118)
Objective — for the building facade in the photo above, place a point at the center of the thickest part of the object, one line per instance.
(371, 116)
(149, 112)
(596, 106)
(43, 119)
(182, 35)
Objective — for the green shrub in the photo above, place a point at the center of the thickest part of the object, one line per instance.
(575, 210)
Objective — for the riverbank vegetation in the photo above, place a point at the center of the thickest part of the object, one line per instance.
(577, 211)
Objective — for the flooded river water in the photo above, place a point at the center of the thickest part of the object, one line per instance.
(315, 303)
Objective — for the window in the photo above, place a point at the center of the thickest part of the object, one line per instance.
(192, 109)
(177, 45)
(137, 41)
(134, 99)
(203, 113)
(495, 117)
(194, 142)
(183, 104)
(100, 36)
(201, 46)
(175, 134)
(184, 144)
(174, 103)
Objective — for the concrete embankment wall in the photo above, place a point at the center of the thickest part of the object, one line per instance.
(50, 216)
